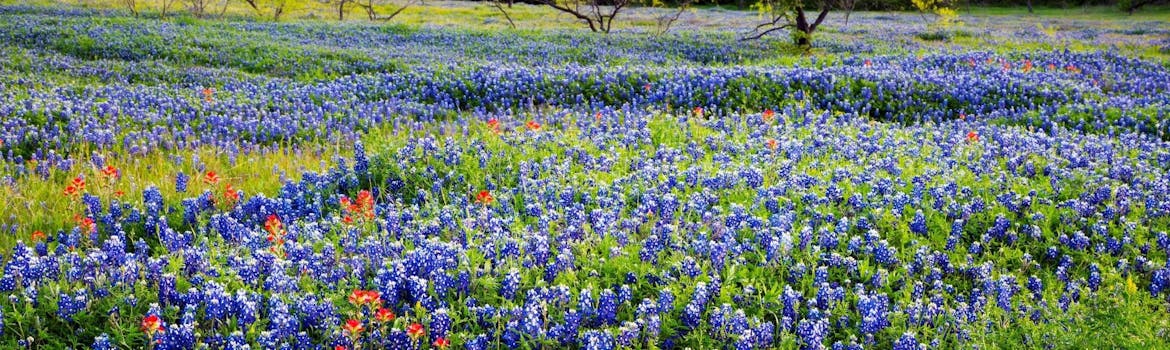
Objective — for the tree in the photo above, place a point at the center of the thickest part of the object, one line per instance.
(132, 5)
(371, 7)
(198, 7)
(500, 7)
(847, 6)
(598, 14)
(667, 20)
(791, 15)
(278, 9)
(259, 8)
(945, 15)
(166, 7)
(342, 6)
(223, 10)
(1129, 6)
(253, 4)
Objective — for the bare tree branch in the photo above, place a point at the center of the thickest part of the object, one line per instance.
(820, 18)
(847, 6)
(598, 19)
(500, 7)
(372, 12)
(166, 7)
(198, 7)
(666, 21)
(132, 5)
(766, 32)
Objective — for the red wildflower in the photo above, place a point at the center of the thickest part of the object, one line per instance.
(230, 194)
(415, 330)
(87, 224)
(441, 343)
(76, 187)
(768, 115)
(354, 327)
(972, 136)
(152, 324)
(110, 171)
(532, 125)
(70, 190)
(773, 144)
(211, 178)
(485, 197)
(38, 235)
(699, 111)
(494, 125)
(362, 297)
(384, 315)
(363, 205)
(868, 63)
(273, 224)
(275, 230)
(207, 92)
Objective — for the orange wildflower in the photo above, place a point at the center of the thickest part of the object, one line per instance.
(485, 197)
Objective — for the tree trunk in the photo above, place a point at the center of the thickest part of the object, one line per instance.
(806, 29)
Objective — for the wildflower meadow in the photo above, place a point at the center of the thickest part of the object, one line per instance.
(999, 181)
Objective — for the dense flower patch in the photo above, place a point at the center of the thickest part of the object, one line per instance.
(958, 199)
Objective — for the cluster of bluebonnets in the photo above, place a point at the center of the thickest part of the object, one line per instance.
(685, 198)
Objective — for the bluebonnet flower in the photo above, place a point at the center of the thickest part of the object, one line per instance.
(69, 305)
(874, 311)
(907, 342)
(607, 305)
(510, 284)
(812, 331)
(597, 340)
(181, 180)
(918, 223)
(102, 342)
(1094, 277)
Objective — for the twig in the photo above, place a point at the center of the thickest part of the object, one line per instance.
(505, 13)
(763, 33)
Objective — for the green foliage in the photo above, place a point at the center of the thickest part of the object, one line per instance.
(936, 35)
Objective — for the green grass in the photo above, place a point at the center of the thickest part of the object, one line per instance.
(528, 17)
(1093, 13)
